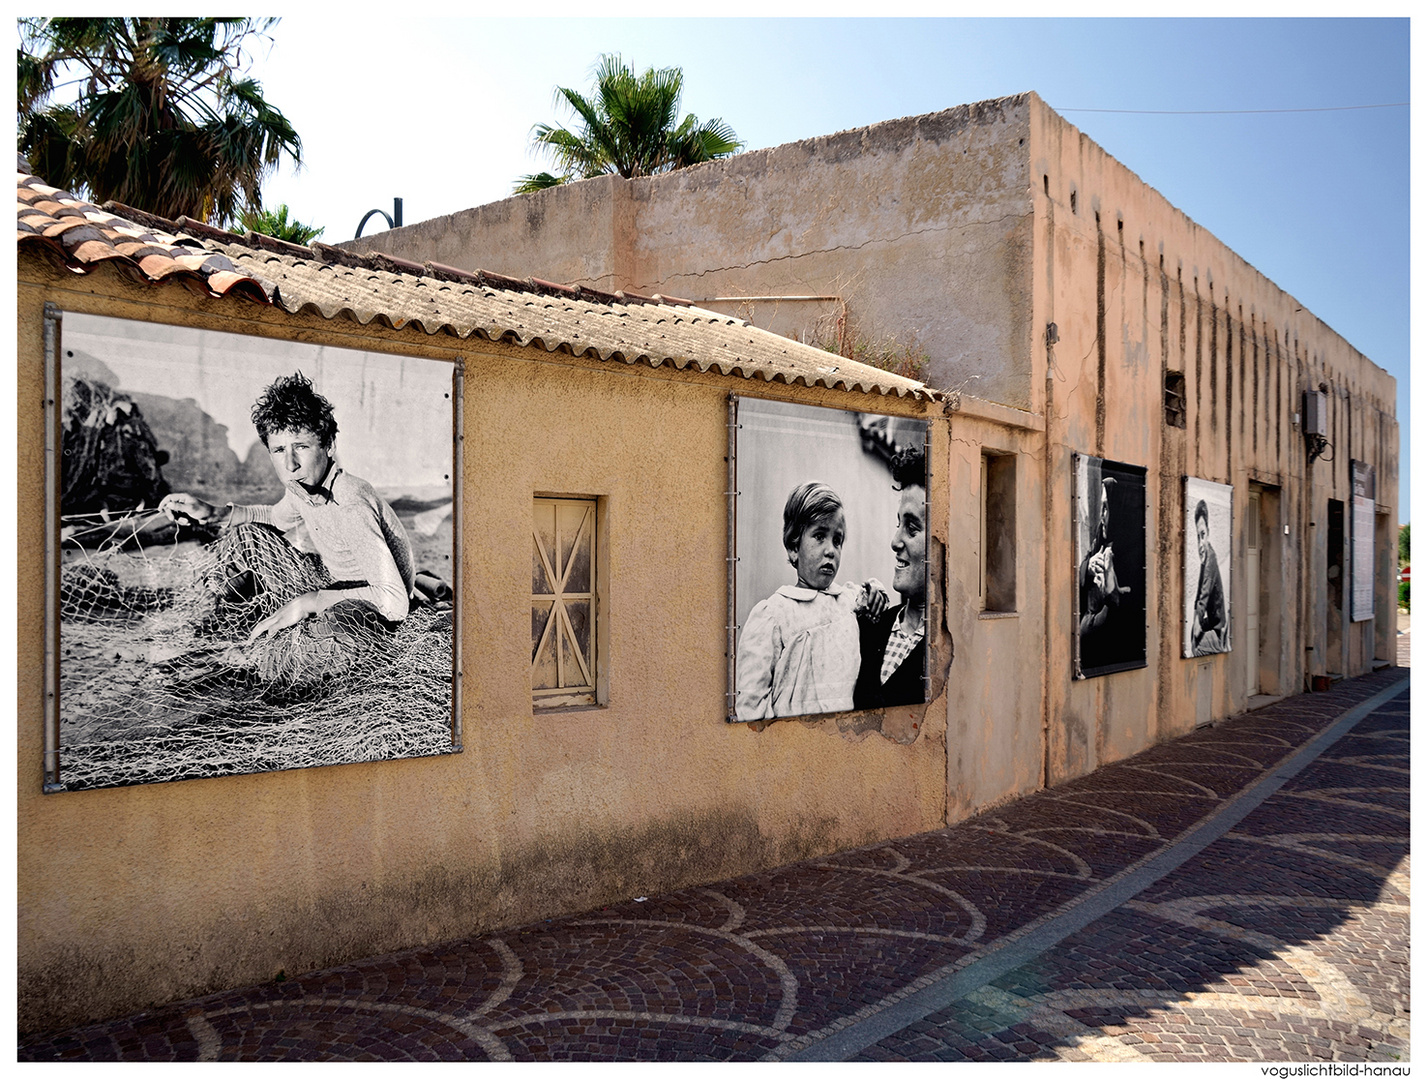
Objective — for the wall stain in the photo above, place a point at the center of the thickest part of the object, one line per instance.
(1180, 303)
(1229, 392)
(1280, 400)
(1254, 427)
(1214, 358)
(1172, 464)
(1241, 314)
(1100, 338)
(1199, 365)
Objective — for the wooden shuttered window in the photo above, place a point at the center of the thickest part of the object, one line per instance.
(563, 603)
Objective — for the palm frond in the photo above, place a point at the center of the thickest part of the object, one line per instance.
(628, 124)
(538, 182)
(694, 142)
(52, 141)
(275, 223)
(34, 82)
(161, 117)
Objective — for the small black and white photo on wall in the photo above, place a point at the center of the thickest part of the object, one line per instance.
(255, 555)
(829, 586)
(1111, 570)
(1209, 551)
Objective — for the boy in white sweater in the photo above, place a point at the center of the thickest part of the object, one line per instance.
(366, 558)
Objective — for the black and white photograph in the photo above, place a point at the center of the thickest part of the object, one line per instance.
(256, 554)
(1361, 529)
(1208, 554)
(830, 581)
(1111, 571)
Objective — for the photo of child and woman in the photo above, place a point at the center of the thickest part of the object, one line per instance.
(831, 573)
(256, 555)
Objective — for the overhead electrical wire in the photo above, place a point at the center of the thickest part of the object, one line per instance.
(1240, 112)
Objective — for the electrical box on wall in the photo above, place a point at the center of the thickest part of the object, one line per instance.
(1316, 412)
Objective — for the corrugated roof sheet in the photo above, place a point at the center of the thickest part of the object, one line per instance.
(337, 284)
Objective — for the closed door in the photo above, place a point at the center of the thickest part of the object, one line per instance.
(1251, 636)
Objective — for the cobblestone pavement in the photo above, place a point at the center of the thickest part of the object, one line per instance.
(1287, 938)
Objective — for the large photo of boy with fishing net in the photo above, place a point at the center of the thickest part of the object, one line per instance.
(256, 555)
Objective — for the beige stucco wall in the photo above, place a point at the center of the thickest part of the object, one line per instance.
(921, 226)
(149, 893)
(1137, 289)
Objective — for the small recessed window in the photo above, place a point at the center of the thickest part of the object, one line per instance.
(564, 603)
(1175, 399)
(998, 532)
(1073, 200)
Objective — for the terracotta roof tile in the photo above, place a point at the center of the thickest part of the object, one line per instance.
(81, 235)
(94, 251)
(339, 284)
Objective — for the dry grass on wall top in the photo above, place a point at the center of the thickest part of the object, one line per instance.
(905, 357)
(901, 354)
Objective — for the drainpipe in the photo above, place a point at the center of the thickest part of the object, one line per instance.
(1050, 338)
(1048, 470)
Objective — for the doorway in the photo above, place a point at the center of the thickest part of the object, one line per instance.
(1251, 634)
(1334, 571)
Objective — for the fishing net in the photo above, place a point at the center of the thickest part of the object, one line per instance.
(158, 680)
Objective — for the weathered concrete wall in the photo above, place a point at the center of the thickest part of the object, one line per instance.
(571, 234)
(995, 744)
(920, 226)
(1137, 290)
(144, 894)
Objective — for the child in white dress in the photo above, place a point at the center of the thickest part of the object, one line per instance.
(798, 654)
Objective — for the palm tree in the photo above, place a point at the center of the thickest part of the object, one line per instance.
(275, 223)
(629, 125)
(161, 117)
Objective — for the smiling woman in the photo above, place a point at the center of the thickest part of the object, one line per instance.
(894, 644)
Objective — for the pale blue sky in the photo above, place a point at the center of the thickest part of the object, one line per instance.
(439, 112)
